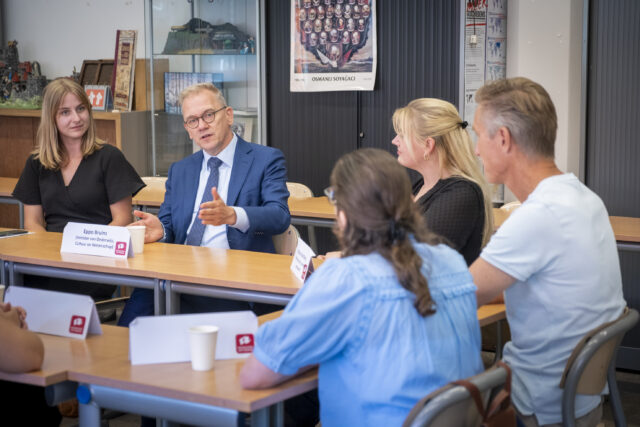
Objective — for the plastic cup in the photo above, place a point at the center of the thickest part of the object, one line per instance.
(137, 237)
(202, 343)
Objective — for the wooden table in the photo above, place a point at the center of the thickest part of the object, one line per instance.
(166, 268)
(173, 391)
(6, 189)
(627, 231)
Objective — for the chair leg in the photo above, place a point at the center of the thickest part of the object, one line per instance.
(614, 396)
(312, 238)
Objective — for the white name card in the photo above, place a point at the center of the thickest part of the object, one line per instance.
(302, 266)
(56, 313)
(94, 239)
(165, 339)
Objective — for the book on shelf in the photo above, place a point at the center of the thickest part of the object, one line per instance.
(175, 83)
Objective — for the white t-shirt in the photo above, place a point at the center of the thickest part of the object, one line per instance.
(560, 248)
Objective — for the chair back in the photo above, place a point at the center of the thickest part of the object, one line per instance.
(286, 243)
(592, 364)
(298, 191)
(453, 405)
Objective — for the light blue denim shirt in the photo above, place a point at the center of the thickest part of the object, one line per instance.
(377, 355)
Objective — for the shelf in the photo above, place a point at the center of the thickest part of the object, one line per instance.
(227, 53)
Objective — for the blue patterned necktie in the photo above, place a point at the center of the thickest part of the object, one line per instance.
(194, 238)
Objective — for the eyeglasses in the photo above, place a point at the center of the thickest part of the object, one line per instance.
(331, 195)
(209, 116)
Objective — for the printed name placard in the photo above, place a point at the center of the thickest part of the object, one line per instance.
(56, 313)
(165, 339)
(94, 239)
(301, 265)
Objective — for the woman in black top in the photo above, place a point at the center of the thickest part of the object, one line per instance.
(72, 175)
(452, 192)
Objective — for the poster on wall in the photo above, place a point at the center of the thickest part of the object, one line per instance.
(485, 54)
(333, 45)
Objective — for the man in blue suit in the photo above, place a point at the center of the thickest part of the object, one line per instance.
(231, 194)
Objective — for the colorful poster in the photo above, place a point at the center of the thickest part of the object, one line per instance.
(333, 45)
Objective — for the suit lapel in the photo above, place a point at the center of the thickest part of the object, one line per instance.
(191, 181)
(242, 160)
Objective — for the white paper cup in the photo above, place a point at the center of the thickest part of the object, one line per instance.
(137, 237)
(202, 343)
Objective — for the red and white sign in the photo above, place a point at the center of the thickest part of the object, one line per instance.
(244, 343)
(77, 325)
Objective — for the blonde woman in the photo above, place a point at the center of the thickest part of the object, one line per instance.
(72, 175)
(452, 193)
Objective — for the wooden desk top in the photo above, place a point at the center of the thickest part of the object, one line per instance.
(490, 313)
(314, 207)
(219, 387)
(626, 229)
(61, 353)
(246, 270)
(149, 196)
(7, 185)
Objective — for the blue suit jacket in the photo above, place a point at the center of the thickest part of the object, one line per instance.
(258, 184)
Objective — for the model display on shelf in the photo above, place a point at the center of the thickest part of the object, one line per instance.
(21, 83)
(200, 37)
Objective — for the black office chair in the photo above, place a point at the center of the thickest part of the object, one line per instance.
(592, 364)
(453, 405)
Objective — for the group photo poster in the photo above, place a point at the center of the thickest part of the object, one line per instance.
(333, 45)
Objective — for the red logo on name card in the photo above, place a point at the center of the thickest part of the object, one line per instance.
(121, 248)
(304, 272)
(77, 324)
(244, 343)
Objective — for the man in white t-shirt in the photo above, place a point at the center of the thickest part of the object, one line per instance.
(555, 258)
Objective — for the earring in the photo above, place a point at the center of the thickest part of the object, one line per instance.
(425, 156)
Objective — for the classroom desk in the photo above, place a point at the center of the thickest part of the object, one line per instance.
(627, 231)
(165, 268)
(6, 189)
(100, 369)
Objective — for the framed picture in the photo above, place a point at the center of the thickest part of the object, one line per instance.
(96, 72)
(175, 83)
(243, 127)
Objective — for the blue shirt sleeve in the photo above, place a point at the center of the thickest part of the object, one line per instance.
(321, 321)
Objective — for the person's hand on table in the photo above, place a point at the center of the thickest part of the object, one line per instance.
(154, 230)
(216, 212)
(329, 255)
(14, 315)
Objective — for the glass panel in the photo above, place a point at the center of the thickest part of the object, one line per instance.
(202, 36)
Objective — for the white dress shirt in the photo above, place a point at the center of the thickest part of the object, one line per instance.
(215, 236)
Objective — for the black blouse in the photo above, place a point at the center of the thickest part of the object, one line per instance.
(103, 178)
(454, 209)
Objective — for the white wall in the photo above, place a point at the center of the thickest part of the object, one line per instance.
(544, 43)
(60, 34)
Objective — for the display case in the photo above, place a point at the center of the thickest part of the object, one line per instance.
(203, 40)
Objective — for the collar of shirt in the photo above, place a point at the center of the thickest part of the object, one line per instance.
(226, 155)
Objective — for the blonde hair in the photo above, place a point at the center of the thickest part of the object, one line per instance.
(49, 151)
(434, 118)
(202, 87)
(525, 108)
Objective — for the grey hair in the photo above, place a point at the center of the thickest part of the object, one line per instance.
(201, 87)
(523, 107)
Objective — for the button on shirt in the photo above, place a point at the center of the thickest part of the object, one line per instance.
(216, 236)
(378, 356)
